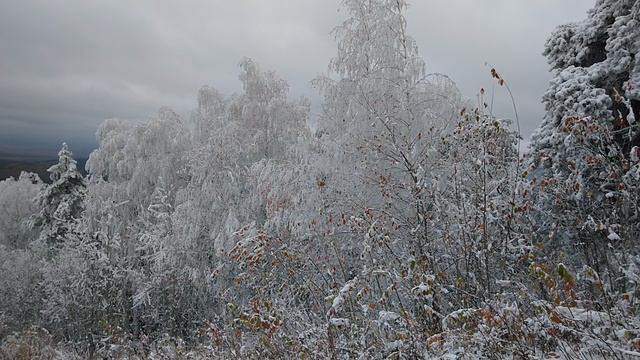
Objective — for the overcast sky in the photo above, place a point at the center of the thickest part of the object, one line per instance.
(67, 65)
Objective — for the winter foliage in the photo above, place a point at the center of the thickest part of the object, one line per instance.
(405, 225)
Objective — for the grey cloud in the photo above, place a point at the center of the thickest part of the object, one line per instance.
(66, 65)
(458, 37)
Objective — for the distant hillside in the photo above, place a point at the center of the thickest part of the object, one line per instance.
(13, 167)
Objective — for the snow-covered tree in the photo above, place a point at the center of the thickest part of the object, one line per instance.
(419, 195)
(61, 203)
(585, 145)
(258, 124)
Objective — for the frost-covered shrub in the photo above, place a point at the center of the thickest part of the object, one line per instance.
(34, 343)
(20, 289)
(16, 207)
(571, 324)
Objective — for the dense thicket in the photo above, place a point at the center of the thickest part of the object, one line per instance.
(407, 224)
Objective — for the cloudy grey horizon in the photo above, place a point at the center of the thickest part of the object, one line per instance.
(66, 66)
